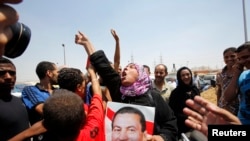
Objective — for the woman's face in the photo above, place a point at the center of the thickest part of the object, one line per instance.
(230, 58)
(129, 75)
(186, 76)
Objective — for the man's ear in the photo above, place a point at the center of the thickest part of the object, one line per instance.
(49, 73)
(78, 87)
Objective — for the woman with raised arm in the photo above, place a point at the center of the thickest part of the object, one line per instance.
(117, 56)
(133, 86)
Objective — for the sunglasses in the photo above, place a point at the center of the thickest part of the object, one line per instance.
(3, 72)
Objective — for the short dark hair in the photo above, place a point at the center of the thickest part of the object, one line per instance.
(131, 110)
(43, 67)
(146, 66)
(244, 46)
(165, 67)
(69, 78)
(4, 60)
(233, 49)
(63, 114)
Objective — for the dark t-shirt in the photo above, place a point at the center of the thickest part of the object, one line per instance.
(13, 117)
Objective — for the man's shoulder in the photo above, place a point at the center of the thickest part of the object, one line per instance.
(31, 87)
(31, 90)
(15, 98)
(245, 74)
(244, 77)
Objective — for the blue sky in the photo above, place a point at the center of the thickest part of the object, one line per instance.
(193, 33)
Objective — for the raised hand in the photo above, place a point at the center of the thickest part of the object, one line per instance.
(82, 39)
(238, 68)
(114, 34)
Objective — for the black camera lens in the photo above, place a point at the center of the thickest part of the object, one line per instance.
(19, 42)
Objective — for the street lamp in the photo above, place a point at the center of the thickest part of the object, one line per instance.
(244, 20)
(64, 54)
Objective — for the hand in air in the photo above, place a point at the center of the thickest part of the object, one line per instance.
(114, 34)
(81, 39)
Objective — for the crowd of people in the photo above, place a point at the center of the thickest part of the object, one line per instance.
(75, 110)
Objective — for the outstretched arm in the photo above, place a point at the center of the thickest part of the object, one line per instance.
(94, 80)
(204, 113)
(35, 129)
(117, 50)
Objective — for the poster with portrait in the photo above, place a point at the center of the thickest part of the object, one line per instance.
(128, 121)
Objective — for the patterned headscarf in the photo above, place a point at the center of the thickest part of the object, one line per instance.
(140, 86)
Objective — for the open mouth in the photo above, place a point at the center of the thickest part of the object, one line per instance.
(123, 75)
